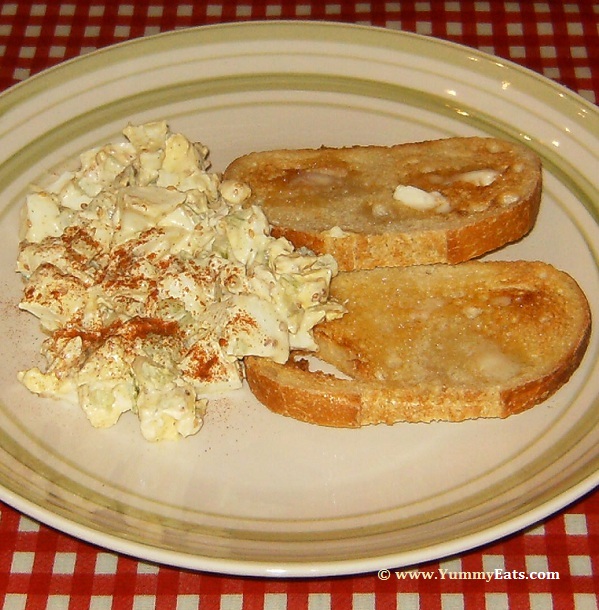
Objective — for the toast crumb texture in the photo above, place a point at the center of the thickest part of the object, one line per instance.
(341, 200)
(435, 342)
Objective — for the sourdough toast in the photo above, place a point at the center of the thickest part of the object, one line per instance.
(458, 198)
(435, 342)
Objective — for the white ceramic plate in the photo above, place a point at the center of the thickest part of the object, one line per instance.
(255, 493)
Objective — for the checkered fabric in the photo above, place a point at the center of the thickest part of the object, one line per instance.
(553, 566)
(557, 39)
(43, 569)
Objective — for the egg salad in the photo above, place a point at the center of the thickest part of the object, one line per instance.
(152, 280)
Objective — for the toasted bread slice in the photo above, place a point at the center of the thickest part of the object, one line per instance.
(466, 197)
(435, 342)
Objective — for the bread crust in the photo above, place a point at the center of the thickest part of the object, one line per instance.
(340, 200)
(544, 300)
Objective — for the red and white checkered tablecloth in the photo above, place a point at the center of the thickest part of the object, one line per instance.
(44, 569)
(556, 39)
